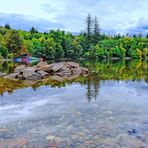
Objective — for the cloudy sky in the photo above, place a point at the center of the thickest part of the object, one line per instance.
(115, 16)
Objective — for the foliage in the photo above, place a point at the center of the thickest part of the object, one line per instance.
(7, 26)
(14, 42)
(61, 44)
(3, 51)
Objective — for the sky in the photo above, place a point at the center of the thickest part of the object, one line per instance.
(115, 16)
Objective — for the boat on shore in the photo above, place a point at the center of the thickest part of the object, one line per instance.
(26, 59)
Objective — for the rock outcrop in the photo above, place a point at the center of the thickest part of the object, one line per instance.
(57, 71)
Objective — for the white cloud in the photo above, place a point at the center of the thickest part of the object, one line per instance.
(116, 15)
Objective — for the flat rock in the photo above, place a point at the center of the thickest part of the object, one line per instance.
(12, 76)
(64, 71)
(34, 76)
(57, 66)
(73, 64)
(30, 74)
(77, 71)
(42, 73)
(42, 66)
(28, 71)
(84, 70)
(18, 69)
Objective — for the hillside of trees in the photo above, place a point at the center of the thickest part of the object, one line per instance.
(89, 44)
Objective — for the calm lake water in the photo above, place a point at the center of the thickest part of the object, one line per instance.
(107, 109)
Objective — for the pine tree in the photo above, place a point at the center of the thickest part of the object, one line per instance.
(33, 30)
(7, 26)
(96, 30)
(89, 24)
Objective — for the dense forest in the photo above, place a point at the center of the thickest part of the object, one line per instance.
(60, 44)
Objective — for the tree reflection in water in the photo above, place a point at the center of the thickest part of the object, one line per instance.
(123, 70)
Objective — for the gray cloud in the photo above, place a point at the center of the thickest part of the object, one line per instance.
(25, 22)
(140, 27)
(115, 16)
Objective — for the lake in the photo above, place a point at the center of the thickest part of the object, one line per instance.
(106, 109)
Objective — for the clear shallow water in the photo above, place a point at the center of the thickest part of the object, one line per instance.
(96, 113)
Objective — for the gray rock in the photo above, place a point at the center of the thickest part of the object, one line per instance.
(77, 71)
(57, 66)
(18, 69)
(60, 71)
(30, 74)
(42, 66)
(65, 71)
(73, 64)
(84, 70)
(42, 73)
(12, 76)
(33, 77)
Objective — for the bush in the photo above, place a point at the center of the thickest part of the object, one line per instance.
(4, 51)
(10, 56)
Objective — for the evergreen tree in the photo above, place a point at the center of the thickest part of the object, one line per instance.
(89, 24)
(33, 30)
(96, 31)
(7, 26)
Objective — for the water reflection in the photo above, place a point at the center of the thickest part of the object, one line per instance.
(135, 70)
(50, 112)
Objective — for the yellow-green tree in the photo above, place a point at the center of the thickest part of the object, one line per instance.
(14, 42)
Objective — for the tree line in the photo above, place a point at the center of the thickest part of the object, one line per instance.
(89, 44)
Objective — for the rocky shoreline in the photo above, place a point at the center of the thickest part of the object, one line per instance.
(57, 71)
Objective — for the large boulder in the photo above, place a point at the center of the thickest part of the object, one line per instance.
(76, 71)
(56, 67)
(30, 73)
(42, 66)
(33, 77)
(18, 69)
(73, 64)
(65, 71)
(42, 73)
